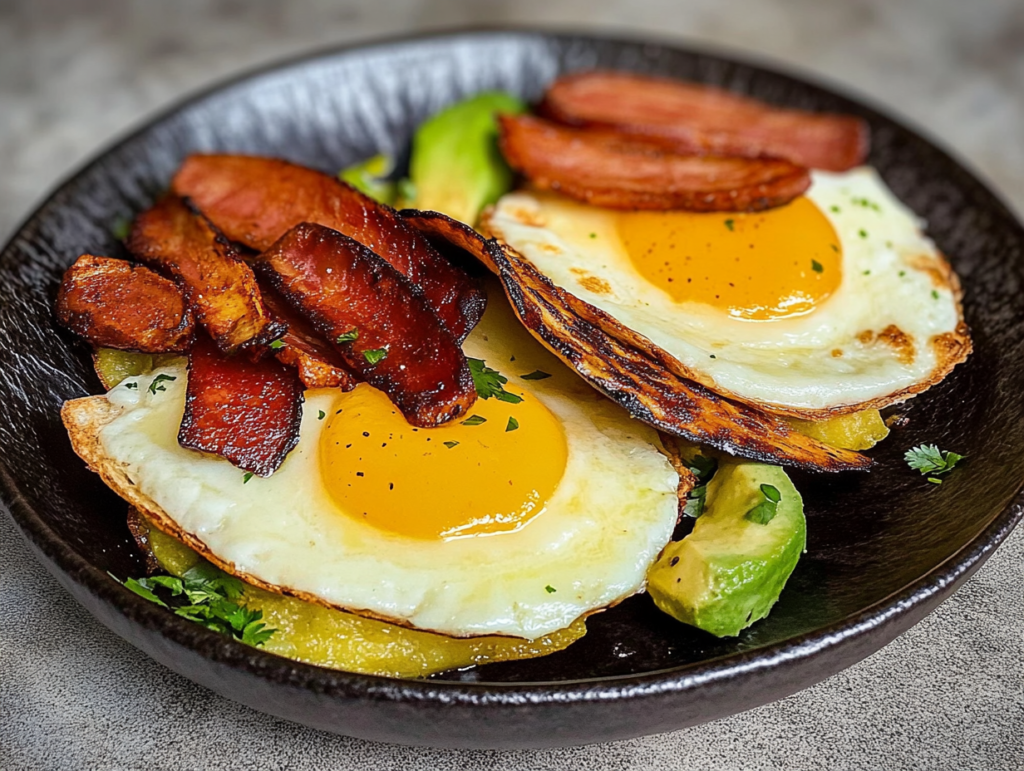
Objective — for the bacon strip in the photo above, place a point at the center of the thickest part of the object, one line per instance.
(218, 286)
(114, 304)
(246, 411)
(702, 119)
(257, 200)
(607, 169)
(641, 377)
(343, 287)
(318, 365)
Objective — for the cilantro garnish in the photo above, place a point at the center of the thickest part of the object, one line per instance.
(929, 459)
(277, 345)
(935, 294)
(246, 477)
(375, 355)
(474, 420)
(512, 425)
(132, 384)
(765, 511)
(347, 337)
(816, 266)
(322, 415)
(550, 589)
(121, 227)
(209, 597)
(702, 468)
(863, 233)
(158, 383)
(535, 375)
(729, 224)
(449, 445)
(489, 382)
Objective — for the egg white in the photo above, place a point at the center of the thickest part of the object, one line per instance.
(609, 517)
(830, 360)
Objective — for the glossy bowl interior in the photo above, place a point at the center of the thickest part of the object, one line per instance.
(884, 548)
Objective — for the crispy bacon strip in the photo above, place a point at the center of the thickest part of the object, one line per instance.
(257, 200)
(114, 304)
(401, 347)
(702, 119)
(607, 169)
(246, 411)
(219, 288)
(641, 378)
(319, 365)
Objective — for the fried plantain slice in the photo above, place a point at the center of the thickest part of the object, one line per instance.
(318, 364)
(630, 369)
(114, 304)
(257, 200)
(621, 172)
(696, 118)
(375, 317)
(246, 411)
(218, 286)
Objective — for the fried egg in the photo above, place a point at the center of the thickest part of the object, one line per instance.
(833, 303)
(516, 521)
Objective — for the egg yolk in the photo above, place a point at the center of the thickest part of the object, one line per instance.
(491, 472)
(759, 266)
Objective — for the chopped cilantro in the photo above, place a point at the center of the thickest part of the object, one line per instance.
(816, 266)
(866, 203)
(474, 420)
(834, 209)
(703, 468)
(209, 597)
(765, 511)
(903, 273)
(449, 445)
(158, 383)
(863, 233)
(593, 235)
(867, 272)
(929, 459)
(729, 224)
(935, 294)
(535, 375)
(347, 337)
(489, 382)
(512, 424)
(550, 589)
(322, 415)
(121, 228)
(277, 345)
(375, 355)
(132, 384)
(248, 475)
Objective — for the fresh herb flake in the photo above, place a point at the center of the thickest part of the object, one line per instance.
(246, 477)
(277, 345)
(132, 384)
(474, 420)
(729, 224)
(703, 468)
(375, 355)
(931, 461)
(449, 445)
(512, 424)
(863, 233)
(121, 227)
(535, 375)
(765, 511)
(158, 383)
(550, 589)
(935, 294)
(816, 266)
(322, 415)
(489, 382)
(347, 337)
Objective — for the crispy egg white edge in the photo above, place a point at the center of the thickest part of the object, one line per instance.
(606, 522)
(787, 363)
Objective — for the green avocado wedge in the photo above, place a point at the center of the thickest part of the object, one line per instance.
(456, 167)
(730, 570)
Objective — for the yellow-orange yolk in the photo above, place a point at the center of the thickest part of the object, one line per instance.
(761, 265)
(466, 478)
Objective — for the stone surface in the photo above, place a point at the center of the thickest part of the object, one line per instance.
(948, 694)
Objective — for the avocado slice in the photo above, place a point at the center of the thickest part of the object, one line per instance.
(730, 570)
(370, 177)
(456, 167)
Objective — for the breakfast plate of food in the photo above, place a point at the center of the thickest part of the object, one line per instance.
(510, 389)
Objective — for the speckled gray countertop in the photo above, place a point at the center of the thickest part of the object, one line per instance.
(949, 694)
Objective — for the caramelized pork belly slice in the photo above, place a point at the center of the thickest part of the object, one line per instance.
(702, 119)
(114, 304)
(219, 287)
(318, 364)
(640, 378)
(246, 411)
(257, 200)
(607, 169)
(376, 319)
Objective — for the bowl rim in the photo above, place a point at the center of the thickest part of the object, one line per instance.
(940, 580)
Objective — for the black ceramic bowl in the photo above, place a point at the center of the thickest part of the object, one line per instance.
(884, 548)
